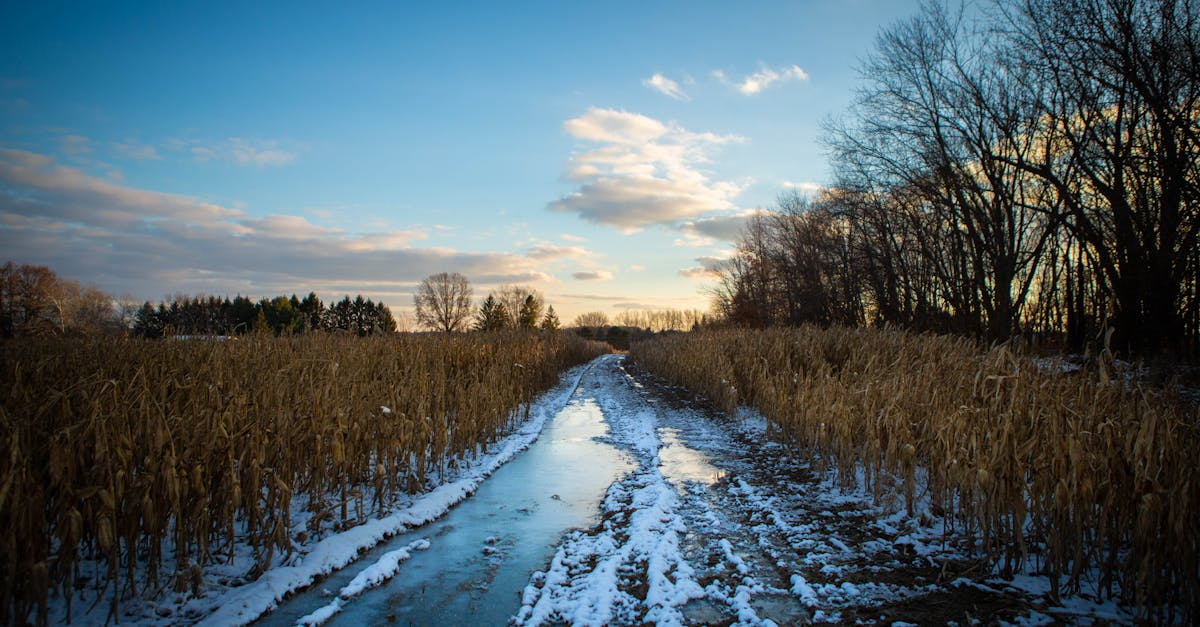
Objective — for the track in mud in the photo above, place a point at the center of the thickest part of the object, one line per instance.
(680, 516)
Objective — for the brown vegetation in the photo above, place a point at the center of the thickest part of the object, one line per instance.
(151, 456)
(1070, 474)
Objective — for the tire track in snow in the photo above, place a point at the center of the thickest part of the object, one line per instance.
(630, 568)
(757, 539)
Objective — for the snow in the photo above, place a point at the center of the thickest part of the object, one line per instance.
(242, 605)
(641, 533)
(715, 523)
(382, 570)
(238, 603)
(801, 589)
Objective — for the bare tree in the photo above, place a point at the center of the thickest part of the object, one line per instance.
(591, 319)
(36, 301)
(1117, 89)
(443, 302)
(513, 297)
(936, 123)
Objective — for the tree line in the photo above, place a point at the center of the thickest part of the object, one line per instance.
(281, 315)
(443, 303)
(36, 302)
(1028, 166)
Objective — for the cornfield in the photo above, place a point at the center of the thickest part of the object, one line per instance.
(1075, 476)
(150, 457)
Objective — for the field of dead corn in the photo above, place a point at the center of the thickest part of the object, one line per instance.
(1077, 476)
(149, 458)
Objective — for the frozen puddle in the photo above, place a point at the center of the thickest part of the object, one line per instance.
(681, 464)
(481, 554)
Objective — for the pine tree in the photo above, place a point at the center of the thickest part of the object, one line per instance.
(550, 321)
(147, 323)
(314, 310)
(492, 315)
(531, 310)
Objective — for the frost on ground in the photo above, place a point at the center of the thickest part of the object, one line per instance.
(718, 525)
(230, 594)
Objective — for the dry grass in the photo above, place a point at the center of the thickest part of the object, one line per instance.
(1068, 474)
(151, 456)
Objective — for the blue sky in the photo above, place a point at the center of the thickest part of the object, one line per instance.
(603, 153)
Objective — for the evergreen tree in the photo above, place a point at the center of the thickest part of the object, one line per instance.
(383, 321)
(492, 315)
(550, 320)
(279, 315)
(313, 310)
(243, 314)
(147, 323)
(531, 311)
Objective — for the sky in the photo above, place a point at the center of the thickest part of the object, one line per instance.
(605, 154)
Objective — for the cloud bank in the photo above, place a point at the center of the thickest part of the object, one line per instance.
(723, 228)
(148, 243)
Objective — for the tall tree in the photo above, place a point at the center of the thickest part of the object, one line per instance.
(513, 298)
(530, 312)
(443, 302)
(550, 320)
(938, 117)
(25, 299)
(492, 315)
(1117, 89)
(313, 310)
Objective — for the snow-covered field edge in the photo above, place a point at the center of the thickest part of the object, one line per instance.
(929, 534)
(235, 604)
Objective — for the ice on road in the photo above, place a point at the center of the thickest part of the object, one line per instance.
(638, 505)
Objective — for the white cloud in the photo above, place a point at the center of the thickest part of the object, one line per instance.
(709, 268)
(805, 187)
(754, 83)
(644, 172)
(618, 127)
(549, 252)
(572, 238)
(698, 273)
(665, 86)
(238, 150)
(260, 153)
(149, 243)
(723, 228)
(137, 151)
(593, 275)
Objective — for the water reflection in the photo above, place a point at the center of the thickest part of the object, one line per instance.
(484, 550)
(681, 464)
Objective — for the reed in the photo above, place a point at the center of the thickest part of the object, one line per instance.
(1070, 475)
(151, 458)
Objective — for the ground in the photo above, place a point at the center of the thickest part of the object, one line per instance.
(627, 501)
(719, 525)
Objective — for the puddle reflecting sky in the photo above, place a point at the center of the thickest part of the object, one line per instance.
(681, 464)
(482, 552)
